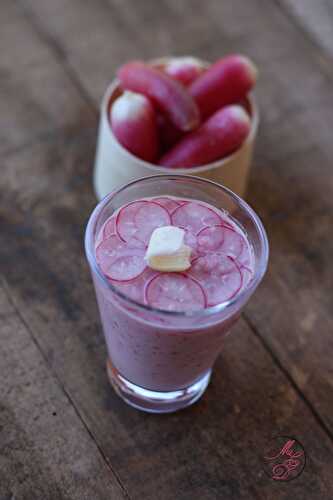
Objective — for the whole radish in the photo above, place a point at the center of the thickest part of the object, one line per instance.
(222, 134)
(184, 69)
(225, 82)
(168, 95)
(133, 122)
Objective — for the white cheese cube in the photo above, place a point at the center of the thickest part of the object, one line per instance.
(167, 250)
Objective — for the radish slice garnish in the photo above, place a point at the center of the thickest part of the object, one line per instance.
(221, 238)
(119, 261)
(99, 237)
(109, 227)
(219, 276)
(194, 217)
(168, 203)
(149, 217)
(233, 243)
(190, 239)
(138, 220)
(210, 238)
(175, 292)
(247, 274)
(225, 221)
(136, 287)
(246, 257)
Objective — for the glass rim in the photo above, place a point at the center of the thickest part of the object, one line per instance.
(208, 311)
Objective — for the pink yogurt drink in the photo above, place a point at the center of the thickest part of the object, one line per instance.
(164, 328)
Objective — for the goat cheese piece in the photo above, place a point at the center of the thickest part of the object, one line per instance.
(167, 251)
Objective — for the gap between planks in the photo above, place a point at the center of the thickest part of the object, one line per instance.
(11, 300)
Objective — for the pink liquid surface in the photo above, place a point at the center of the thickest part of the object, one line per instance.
(145, 347)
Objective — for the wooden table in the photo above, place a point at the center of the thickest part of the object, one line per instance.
(64, 434)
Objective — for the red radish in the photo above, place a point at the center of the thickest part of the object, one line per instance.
(210, 238)
(245, 258)
(245, 103)
(119, 261)
(232, 244)
(135, 288)
(168, 203)
(247, 275)
(175, 292)
(133, 122)
(219, 276)
(222, 134)
(221, 239)
(194, 216)
(169, 96)
(184, 69)
(225, 82)
(109, 228)
(138, 220)
(168, 133)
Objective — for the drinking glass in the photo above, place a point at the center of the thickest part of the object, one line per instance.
(161, 361)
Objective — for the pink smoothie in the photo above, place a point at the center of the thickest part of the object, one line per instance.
(156, 351)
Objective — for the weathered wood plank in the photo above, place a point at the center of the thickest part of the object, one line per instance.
(205, 452)
(46, 451)
(316, 18)
(210, 450)
(295, 137)
(36, 94)
(105, 34)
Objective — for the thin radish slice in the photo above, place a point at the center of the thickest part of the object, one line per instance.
(168, 203)
(99, 237)
(233, 243)
(226, 221)
(194, 217)
(118, 261)
(126, 228)
(175, 292)
(219, 276)
(150, 216)
(109, 227)
(247, 274)
(246, 257)
(134, 289)
(190, 239)
(138, 220)
(126, 268)
(210, 238)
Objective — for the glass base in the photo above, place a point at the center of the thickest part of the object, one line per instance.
(156, 401)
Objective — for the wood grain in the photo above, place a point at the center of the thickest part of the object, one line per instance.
(46, 451)
(211, 449)
(114, 32)
(36, 94)
(295, 148)
(316, 18)
(275, 374)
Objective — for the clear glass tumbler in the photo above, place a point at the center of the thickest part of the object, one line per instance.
(161, 361)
